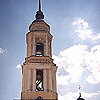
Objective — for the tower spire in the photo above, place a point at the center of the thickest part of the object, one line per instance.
(80, 90)
(39, 5)
(80, 95)
(39, 13)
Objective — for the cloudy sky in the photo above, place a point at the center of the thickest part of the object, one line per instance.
(76, 45)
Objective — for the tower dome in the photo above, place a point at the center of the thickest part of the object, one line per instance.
(39, 24)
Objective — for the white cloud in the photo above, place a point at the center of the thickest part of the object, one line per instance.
(72, 60)
(84, 30)
(3, 51)
(79, 65)
(78, 60)
(68, 96)
(19, 67)
(92, 79)
(90, 95)
(62, 80)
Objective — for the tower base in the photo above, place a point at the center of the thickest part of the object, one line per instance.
(30, 95)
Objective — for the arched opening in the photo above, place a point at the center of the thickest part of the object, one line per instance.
(39, 80)
(39, 49)
(39, 98)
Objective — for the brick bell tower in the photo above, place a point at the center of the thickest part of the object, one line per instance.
(38, 70)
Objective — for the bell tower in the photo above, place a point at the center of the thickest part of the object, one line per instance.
(38, 70)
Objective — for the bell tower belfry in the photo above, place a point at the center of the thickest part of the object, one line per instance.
(38, 70)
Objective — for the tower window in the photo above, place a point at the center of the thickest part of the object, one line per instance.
(39, 49)
(39, 80)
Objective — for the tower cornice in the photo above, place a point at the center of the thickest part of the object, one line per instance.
(39, 59)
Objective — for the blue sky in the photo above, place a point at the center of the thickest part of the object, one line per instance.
(75, 27)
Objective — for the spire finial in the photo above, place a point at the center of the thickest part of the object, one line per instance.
(39, 14)
(79, 94)
(79, 87)
(79, 91)
(39, 5)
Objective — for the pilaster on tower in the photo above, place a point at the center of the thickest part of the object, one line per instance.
(39, 71)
